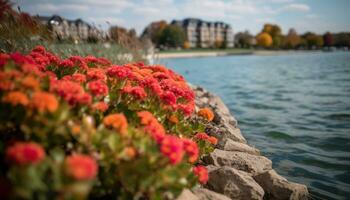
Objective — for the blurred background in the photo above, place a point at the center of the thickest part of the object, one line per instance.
(281, 66)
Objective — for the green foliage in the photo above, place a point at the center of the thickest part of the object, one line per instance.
(172, 36)
(312, 40)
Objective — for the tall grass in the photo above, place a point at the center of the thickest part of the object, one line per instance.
(19, 32)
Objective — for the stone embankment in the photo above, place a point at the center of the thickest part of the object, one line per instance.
(237, 170)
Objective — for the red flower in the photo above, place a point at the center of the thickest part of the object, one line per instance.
(66, 63)
(201, 136)
(191, 149)
(39, 49)
(3, 59)
(119, 72)
(81, 167)
(22, 153)
(79, 78)
(98, 88)
(202, 173)
(137, 92)
(72, 92)
(19, 58)
(204, 136)
(96, 74)
(172, 147)
(169, 98)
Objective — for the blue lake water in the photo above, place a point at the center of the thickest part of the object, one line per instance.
(295, 108)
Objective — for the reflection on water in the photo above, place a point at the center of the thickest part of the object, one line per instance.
(294, 108)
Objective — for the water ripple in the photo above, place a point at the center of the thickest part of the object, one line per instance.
(295, 108)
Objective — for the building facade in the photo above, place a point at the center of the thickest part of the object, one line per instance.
(205, 34)
(71, 29)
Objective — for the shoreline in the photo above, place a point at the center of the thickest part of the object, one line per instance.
(163, 55)
(236, 169)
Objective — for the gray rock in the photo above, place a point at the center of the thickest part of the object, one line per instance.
(207, 99)
(277, 187)
(239, 160)
(230, 145)
(186, 194)
(205, 194)
(222, 132)
(234, 183)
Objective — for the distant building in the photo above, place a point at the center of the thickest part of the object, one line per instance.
(71, 29)
(205, 34)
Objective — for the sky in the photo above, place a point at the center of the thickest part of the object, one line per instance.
(304, 15)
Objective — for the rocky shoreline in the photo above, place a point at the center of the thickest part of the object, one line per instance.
(237, 170)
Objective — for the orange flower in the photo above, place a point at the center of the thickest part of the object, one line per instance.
(44, 101)
(152, 126)
(130, 152)
(75, 129)
(100, 106)
(116, 121)
(213, 140)
(81, 167)
(206, 113)
(31, 83)
(16, 98)
(146, 117)
(173, 119)
(22, 153)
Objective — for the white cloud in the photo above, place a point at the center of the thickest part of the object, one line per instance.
(49, 7)
(265, 20)
(312, 16)
(296, 7)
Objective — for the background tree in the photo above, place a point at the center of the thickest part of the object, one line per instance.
(172, 36)
(328, 39)
(154, 31)
(342, 39)
(292, 39)
(244, 39)
(124, 37)
(312, 40)
(264, 40)
(275, 32)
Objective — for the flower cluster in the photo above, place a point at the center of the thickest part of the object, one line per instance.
(83, 126)
(23, 153)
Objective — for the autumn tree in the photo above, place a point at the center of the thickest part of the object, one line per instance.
(264, 40)
(292, 39)
(154, 31)
(275, 32)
